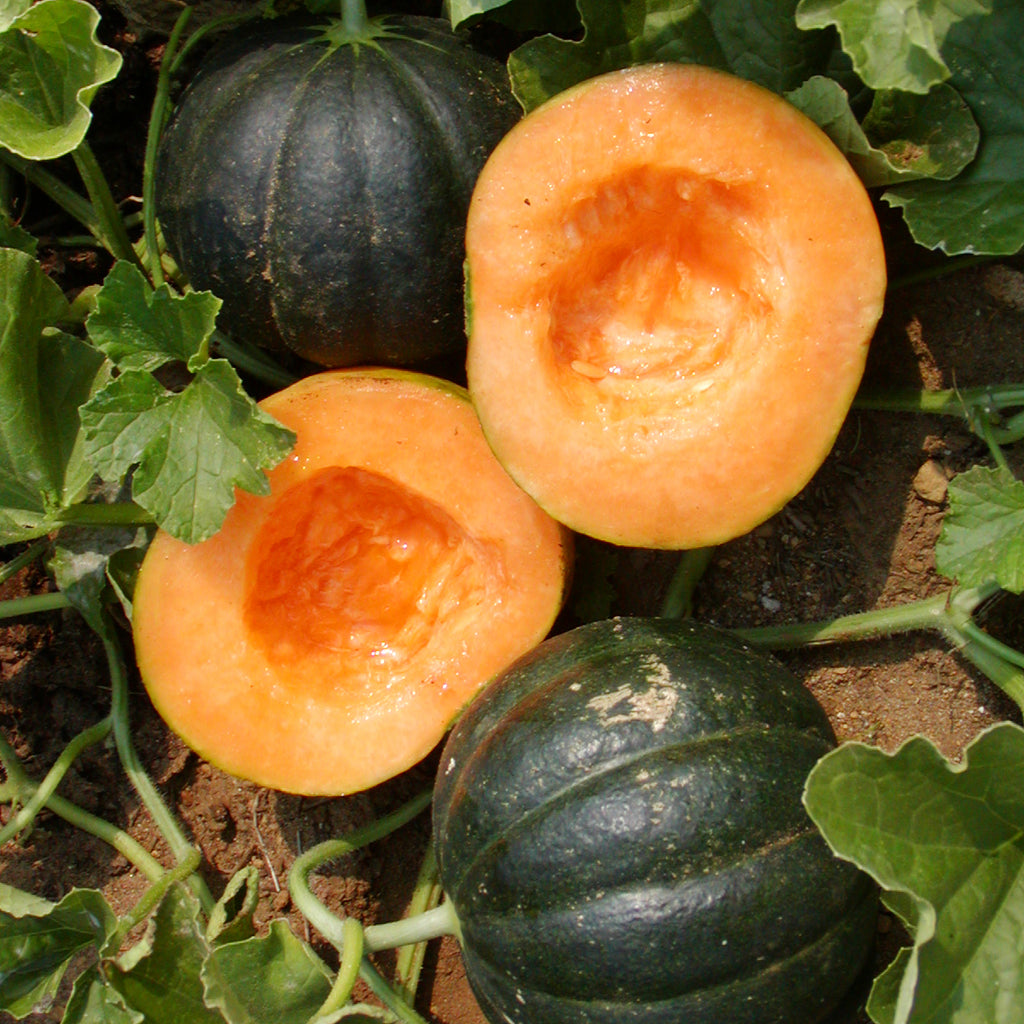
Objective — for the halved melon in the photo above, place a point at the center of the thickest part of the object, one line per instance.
(327, 636)
(673, 280)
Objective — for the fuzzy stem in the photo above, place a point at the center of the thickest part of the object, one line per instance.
(165, 821)
(113, 233)
(385, 992)
(27, 557)
(678, 601)
(353, 17)
(157, 119)
(426, 896)
(351, 951)
(15, 607)
(20, 787)
(327, 923)
(430, 924)
(928, 613)
(70, 201)
(44, 790)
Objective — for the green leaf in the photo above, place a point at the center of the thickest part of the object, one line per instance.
(81, 565)
(188, 451)
(524, 16)
(51, 65)
(93, 1001)
(982, 210)
(273, 979)
(617, 34)
(11, 9)
(231, 918)
(761, 42)
(44, 376)
(903, 137)
(13, 236)
(140, 328)
(947, 844)
(894, 44)
(162, 982)
(38, 940)
(982, 535)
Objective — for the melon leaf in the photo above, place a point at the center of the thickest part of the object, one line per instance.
(38, 940)
(270, 979)
(616, 35)
(44, 376)
(982, 536)
(981, 210)
(140, 328)
(894, 44)
(51, 65)
(946, 843)
(903, 136)
(187, 452)
(161, 976)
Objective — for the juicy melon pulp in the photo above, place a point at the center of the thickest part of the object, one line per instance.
(674, 277)
(325, 638)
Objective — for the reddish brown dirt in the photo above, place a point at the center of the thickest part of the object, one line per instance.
(860, 536)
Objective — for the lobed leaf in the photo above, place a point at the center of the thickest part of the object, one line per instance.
(615, 36)
(903, 136)
(894, 44)
(981, 210)
(161, 980)
(44, 376)
(982, 535)
(140, 328)
(51, 65)
(187, 452)
(273, 979)
(946, 842)
(38, 939)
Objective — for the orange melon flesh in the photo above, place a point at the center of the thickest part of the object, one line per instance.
(673, 280)
(324, 640)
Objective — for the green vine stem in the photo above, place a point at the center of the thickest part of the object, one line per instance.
(32, 604)
(112, 231)
(252, 361)
(152, 896)
(19, 787)
(975, 405)
(157, 119)
(325, 921)
(951, 614)
(351, 951)
(353, 17)
(101, 513)
(678, 600)
(70, 201)
(181, 848)
(427, 895)
(387, 994)
(35, 550)
(42, 792)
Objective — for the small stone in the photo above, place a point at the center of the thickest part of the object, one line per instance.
(931, 483)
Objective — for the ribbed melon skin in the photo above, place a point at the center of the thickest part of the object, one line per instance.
(322, 192)
(619, 825)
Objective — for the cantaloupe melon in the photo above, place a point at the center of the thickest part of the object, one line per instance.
(673, 279)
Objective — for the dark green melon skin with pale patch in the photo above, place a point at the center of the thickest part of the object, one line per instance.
(321, 192)
(619, 826)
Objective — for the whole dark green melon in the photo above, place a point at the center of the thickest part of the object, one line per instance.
(316, 176)
(619, 827)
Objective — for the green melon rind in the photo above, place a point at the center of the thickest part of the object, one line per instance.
(545, 794)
